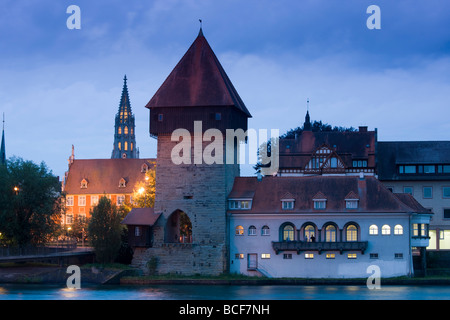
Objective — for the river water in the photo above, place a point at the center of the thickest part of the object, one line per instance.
(222, 292)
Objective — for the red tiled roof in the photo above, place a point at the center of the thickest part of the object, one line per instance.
(373, 196)
(141, 217)
(198, 80)
(103, 175)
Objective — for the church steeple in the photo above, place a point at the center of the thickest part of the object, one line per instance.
(307, 124)
(2, 149)
(124, 136)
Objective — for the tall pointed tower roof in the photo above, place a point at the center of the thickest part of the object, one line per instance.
(2, 148)
(198, 80)
(125, 98)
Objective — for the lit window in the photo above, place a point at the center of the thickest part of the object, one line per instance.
(119, 130)
(287, 204)
(415, 229)
(288, 233)
(309, 233)
(385, 230)
(81, 201)
(120, 200)
(330, 256)
(125, 130)
(125, 146)
(309, 255)
(265, 231)
(330, 233)
(252, 231)
(373, 230)
(94, 200)
(84, 184)
(351, 256)
(240, 204)
(398, 229)
(119, 146)
(352, 233)
(239, 256)
(239, 230)
(265, 255)
(69, 201)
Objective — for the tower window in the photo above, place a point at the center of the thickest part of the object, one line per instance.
(119, 131)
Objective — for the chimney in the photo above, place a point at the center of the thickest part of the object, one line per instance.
(363, 129)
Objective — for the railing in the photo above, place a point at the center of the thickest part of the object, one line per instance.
(29, 250)
(300, 246)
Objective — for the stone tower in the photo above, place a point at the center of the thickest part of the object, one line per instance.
(124, 135)
(190, 235)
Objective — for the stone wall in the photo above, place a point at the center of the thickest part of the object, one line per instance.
(200, 191)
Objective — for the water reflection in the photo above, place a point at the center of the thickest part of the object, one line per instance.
(219, 292)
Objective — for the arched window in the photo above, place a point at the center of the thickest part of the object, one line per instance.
(265, 231)
(398, 229)
(352, 233)
(125, 146)
(309, 234)
(119, 131)
(373, 229)
(330, 233)
(120, 146)
(125, 130)
(288, 233)
(239, 231)
(385, 229)
(252, 231)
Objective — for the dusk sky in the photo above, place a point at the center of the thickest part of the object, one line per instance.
(60, 87)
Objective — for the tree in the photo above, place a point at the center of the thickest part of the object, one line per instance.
(105, 230)
(30, 202)
(144, 192)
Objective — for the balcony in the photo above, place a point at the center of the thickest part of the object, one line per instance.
(300, 246)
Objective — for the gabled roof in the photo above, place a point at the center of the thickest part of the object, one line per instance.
(198, 80)
(141, 217)
(104, 175)
(373, 196)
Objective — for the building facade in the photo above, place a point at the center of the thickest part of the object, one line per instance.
(422, 169)
(322, 227)
(87, 180)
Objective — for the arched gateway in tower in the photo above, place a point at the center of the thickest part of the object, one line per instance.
(196, 96)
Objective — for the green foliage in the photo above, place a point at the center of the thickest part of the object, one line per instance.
(30, 203)
(105, 230)
(152, 265)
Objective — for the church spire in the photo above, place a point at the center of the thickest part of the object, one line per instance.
(124, 137)
(307, 124)
(2, 149)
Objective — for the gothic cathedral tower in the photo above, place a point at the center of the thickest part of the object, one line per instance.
(124, 136)
(191, 233)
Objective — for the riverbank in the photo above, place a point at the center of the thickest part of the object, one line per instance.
(124, 275)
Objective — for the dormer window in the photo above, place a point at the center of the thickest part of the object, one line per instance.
(320, 201)
(320, 204)
(84, 184)
(240, 204)
(287, 204)
(351, 203)
(144, 168)
(122, 183)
